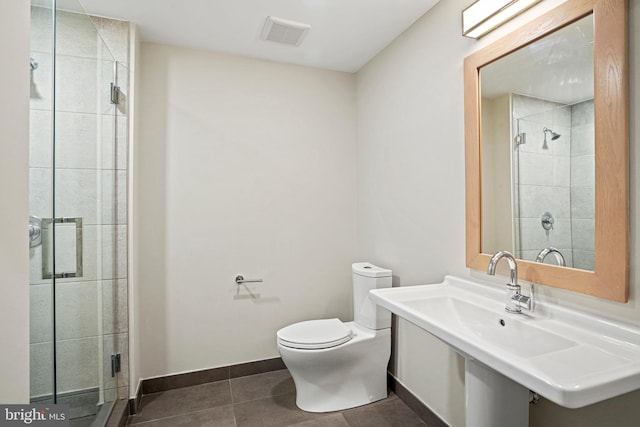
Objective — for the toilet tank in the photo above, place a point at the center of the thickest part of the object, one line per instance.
(367, 276)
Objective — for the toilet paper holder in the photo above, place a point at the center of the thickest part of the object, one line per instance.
(240, 279)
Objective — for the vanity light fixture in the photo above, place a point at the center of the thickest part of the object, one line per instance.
(484, 16)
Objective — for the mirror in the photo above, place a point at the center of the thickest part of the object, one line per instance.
(546, 139)
(537, 149)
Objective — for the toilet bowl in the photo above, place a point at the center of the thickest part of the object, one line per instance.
(337, 365)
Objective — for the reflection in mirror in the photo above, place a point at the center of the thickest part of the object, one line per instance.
(537, 149)
(494, 206)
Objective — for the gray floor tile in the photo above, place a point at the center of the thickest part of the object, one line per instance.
(221, 416)
(274, 411)
(333, 420)
(183, 400)
(391, 412)
(261, 400)
(261, 385)
(82, 422)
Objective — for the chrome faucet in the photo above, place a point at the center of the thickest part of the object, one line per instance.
(515, 300)
(551, 250)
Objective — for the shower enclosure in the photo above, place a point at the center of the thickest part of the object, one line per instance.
(78, 211)
(553, 179)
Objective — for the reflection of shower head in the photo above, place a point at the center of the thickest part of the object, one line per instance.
(554, 136)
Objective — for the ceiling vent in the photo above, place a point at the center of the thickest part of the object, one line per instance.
(284, 31)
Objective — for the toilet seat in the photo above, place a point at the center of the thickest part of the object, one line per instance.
(314, 334)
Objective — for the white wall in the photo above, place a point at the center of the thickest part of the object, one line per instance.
(411, 186)
(411, 197)
(134, 241)
(244, 167)
(497, 222)
(14, 215)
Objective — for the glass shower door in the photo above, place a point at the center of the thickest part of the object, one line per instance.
(42, 334)
(77, 200)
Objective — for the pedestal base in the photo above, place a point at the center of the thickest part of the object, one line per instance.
(493, 400)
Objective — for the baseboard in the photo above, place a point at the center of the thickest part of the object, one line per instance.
(134, 403)
(416, 405)
(188, 379)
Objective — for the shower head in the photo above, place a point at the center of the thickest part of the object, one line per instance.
(553, 134)
(34, 64)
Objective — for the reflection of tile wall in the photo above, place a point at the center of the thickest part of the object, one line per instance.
(91, 176)
(544, 176)
(583, 185)
(559, 179)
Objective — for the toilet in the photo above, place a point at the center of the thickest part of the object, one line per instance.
(339, 365)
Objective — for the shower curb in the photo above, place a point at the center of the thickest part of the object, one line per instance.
(119, 414)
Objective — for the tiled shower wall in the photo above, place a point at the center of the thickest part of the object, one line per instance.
(583, 185)
(558, 179)
(90, 182)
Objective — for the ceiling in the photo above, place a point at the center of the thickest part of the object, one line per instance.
(344, 35)
(558, 67)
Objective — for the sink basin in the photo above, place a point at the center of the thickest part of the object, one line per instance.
(491, 327)
(571, 358)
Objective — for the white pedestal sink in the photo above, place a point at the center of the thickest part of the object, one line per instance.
(571, 358)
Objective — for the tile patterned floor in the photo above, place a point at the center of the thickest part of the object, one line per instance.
(263, 400)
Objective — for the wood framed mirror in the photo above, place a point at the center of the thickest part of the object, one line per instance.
(607, 274)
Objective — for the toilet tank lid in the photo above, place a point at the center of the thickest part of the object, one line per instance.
(369, 270)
